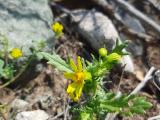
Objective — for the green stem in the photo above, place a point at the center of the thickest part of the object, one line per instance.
(19, 74)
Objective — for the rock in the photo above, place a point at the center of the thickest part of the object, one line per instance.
(157, 78)
(32, 115)
(39, 67)
(46, 101)
(99, 31)
(59, 110)
(156, 3)
(96, 28)
(24, 21)
(19, 104)
(127, 61)
(132, 22)
(136, 48)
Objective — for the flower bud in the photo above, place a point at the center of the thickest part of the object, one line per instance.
(114, 57)
(103, 52)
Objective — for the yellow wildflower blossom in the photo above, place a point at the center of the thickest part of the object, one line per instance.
(16, 53)
(78, 76)
(114, 57)
(57, 28)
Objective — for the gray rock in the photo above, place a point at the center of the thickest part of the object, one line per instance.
(46, 101)
(156, 3)
(24, 21)
(39, 67)
(99, 31)
(127, 61)
(136, 48)
(16, 106)
(157, 78)
(133, 23)
(19, 104)
(96, 28)
(32, 115)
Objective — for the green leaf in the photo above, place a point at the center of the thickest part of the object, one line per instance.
(119, 47)
(110, 95)
(8, 72)
(56, 61)
(128, 113)
(85, 116)
(110, 108)
(137, 110)
(140, 102)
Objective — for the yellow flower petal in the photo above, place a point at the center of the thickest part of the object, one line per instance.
(75, 90)
(73, 65)
(71, 88)
(79, 63)
(71, 76)
(79, 90)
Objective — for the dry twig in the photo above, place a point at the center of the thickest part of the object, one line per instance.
(154, 118)
(143, 82)
(57, 116)
(138, 14)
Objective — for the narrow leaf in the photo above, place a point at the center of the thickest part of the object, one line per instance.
(56, 61)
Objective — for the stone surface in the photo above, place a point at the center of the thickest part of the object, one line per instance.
(24, 21)
(45, 101)
(156, 3)
(32, 115)
(133, 23)
(99, 31)
(96, 28)
(127, 61)
(157, 77)
(19, 104)
(136, 48)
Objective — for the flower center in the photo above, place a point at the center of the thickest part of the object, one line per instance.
(80, 76)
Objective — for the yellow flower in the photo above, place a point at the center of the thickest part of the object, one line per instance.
(114, 57)
(78, 76)
(16, 53)
(57, 28)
